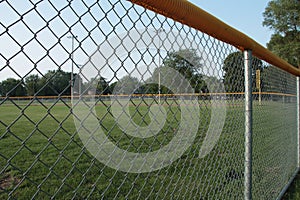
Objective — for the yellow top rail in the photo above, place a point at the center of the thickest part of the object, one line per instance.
(187, 13)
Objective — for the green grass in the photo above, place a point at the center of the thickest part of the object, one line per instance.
(42, 156)
(293, 192)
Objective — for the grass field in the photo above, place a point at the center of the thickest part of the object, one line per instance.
(42, 156)
(293, 193)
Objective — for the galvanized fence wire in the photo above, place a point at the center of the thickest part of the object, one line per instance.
(275, 140)
(128, 70)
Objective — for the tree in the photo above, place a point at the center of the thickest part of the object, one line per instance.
(188, 63)
(55, 82)
(281, 84)
(185, 61)
(270, 83)
(127, 85)
(12, 87)
(283, 16)
(152, 88)
(99, 86)
(32, 84)
(234, 72)
(102, 86)
(112, 86)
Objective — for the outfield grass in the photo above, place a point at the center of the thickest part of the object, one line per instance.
(42, 156)
(293, 193)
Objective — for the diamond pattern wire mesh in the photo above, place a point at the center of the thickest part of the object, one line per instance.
(275, 132)
(41, 153)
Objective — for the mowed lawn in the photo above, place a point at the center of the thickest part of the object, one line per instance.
(42, 156)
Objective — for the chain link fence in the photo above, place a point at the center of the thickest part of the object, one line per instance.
(108, 100)
(275, 137)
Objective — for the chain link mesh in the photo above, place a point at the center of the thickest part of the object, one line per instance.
(275, 131)
(56, 56)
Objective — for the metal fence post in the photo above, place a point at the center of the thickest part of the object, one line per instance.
(248, 124)
(298, 121)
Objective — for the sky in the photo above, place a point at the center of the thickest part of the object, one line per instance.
(245, 16)
(30, 46)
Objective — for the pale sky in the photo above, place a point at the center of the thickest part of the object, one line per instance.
(245, 16)
(29, 54)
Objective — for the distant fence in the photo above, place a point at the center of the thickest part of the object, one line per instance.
(145, 95)
(167, 102)
(258, 96)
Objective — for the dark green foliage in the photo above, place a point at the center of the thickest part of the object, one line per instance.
(287, 46)
(234, 79)
(188, 63)
(56, 82)
(12, 87)
(276, 80)
(283, 16)
(32, 84)
(126, 85)
(53, 83)
(100, 85)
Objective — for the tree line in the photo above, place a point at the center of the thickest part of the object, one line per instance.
(281, 16)
(58, 82)
(53, 83)
(186, 61)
